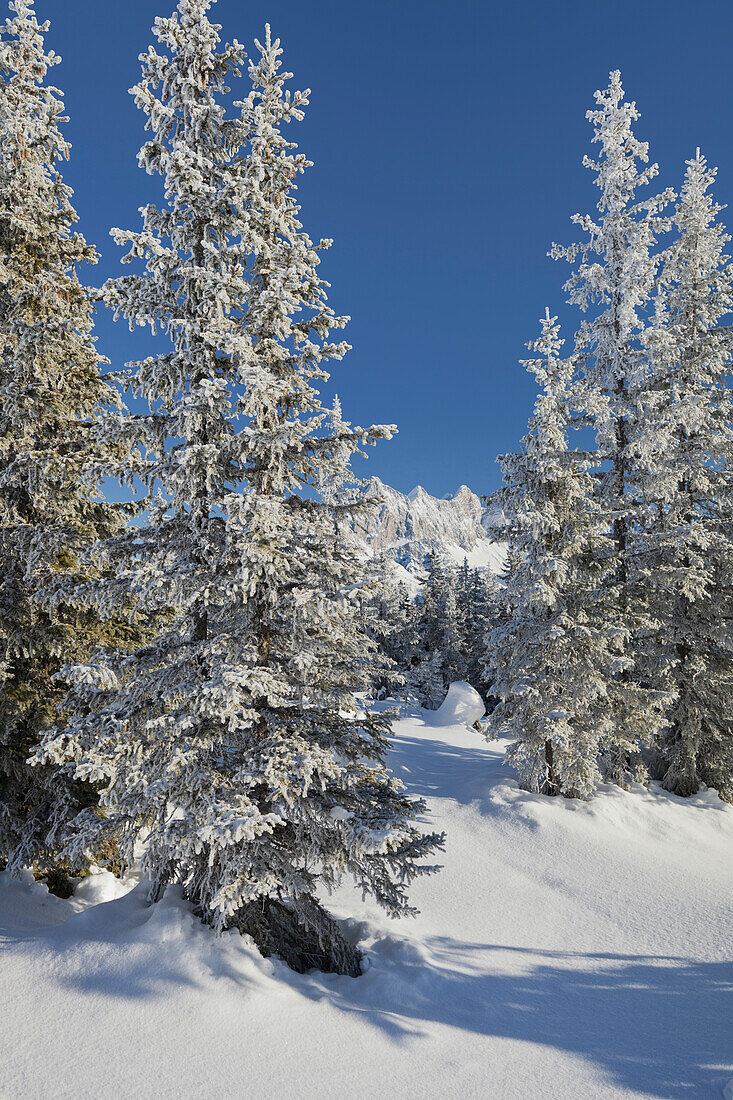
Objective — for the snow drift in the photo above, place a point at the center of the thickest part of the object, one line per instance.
(462, 706)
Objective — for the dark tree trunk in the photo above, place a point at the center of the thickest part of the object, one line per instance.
(276, 930)
(551, 785)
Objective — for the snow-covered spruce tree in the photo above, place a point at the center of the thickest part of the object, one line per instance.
(613, 281)
(383, 620)
(449, 620)
(439, 632)
(689, 454)
(404, 641)
(235, 741)
(477, 594)
(455, 663)
(375, 592)
(391, 618)
(51, 391)
(553, 658)
(501, 612)
(426, 680)
(432, 602)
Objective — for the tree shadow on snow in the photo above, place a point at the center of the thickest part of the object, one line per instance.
(655, 1024)
(433, 768)
(128, 950)
(659, 1025)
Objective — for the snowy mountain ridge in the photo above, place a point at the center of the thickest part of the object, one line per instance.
(407, 526)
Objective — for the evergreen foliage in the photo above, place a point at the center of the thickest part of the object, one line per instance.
(185, 694)
(51, 392)
(235, 741)
(437, 639)
(480, 599)
(552, 658)
(688, 454)
(613, 283)
(639, 567)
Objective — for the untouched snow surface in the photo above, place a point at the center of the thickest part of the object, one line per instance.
(566, 950)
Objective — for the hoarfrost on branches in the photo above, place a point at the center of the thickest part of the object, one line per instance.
(231, 738)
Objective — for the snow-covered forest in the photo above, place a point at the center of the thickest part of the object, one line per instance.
(253, 708)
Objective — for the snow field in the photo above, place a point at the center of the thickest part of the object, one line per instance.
(566, 950)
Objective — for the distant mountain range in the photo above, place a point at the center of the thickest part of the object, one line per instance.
(406, 526)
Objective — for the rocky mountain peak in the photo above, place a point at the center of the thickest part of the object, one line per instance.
(406, 526)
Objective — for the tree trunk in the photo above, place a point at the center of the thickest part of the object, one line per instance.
(551, 785)
(277, 930)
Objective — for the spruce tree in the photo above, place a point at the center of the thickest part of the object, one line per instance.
(51, 392)
(406, 638)
(433, 602)
(613, 283)
(387, 621)
(501, 611)
(392, 618)
(463, 598)
(426, 681)
(688, 451)
(439, 628)
(235, 740)
(552, 658)
(454, 656)
(376, 592)
(477, 596)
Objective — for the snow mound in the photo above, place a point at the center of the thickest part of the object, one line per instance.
(98, 887)
(462, 706)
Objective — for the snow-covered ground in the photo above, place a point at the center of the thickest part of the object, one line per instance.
(566, 950)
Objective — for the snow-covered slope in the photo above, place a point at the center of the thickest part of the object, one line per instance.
(406, 526)
(566, 950)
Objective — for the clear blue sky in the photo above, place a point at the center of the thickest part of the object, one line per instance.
(447, 139)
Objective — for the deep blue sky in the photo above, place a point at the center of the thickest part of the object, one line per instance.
(447, 139)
